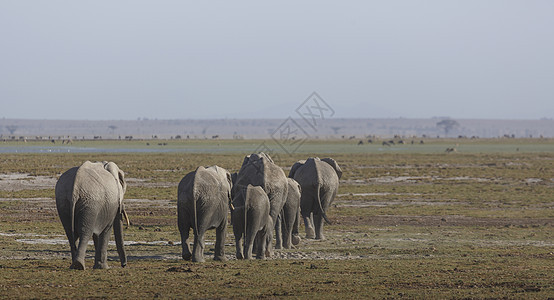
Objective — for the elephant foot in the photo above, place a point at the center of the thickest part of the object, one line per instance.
(220, 258)
(198, 259)
(310, 233)
(187, 256)
(123, 264)
(295, 240)
(77, 265)
(320, 237)
(278, 246)
(239, 256)
(100, 266)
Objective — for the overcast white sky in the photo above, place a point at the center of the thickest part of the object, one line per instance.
(251, 59)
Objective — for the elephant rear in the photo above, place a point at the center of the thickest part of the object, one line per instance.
(202, 201)
(89, 202)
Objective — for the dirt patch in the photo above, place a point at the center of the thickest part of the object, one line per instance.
(23, 181)
(438, 221)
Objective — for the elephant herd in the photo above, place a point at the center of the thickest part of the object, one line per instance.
(261, 199)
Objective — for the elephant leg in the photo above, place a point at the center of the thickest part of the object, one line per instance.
(238, 227)
(238, 243)
(101, 249)
(220, 235)
(279, 232)
(288, 228)
(184, 229)
(79, 259)
(198, 247)
(268, 238)
(118, 234)
(318, 222)
(249, 239)
(72, 241)
(262, 247)
(295, 237)
(308, 224)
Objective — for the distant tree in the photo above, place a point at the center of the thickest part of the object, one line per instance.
(447, 125)
(12, 128)
(336, 129)
(112, 128)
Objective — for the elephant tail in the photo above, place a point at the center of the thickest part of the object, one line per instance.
(246, 205)
(318, 191)
(74, 199)
(194, 208)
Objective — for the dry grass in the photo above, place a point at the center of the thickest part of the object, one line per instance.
(419, 225)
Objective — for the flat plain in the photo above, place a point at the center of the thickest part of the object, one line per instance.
(410, 220)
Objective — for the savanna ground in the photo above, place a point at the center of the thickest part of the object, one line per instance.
(409, 221)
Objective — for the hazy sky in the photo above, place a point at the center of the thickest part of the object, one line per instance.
(251, 59)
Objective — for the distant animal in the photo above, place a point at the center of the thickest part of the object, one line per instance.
(360, 142)
(449, 150)
(203, 198)
(89, 199)
(386, 143)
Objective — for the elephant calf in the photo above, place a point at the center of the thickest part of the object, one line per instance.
(288, 223)
(251, 220)
(89, 200)
(202, 201)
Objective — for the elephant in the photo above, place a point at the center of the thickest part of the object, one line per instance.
(319, 181)
(89, 199)
(202, 200)
(289, 217)
(251, 220)
(259, 170)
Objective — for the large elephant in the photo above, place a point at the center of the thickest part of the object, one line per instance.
(202, 204)
(289, 218)
(260, 170)
(89, 200)
(319, 181)
(251, 221)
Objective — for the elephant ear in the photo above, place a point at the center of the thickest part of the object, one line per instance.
(229, 179)
(261, 154)
(295, 167)
(299, 187)
(333, 164)
(234, 177)
(119, 177)
(246, 160)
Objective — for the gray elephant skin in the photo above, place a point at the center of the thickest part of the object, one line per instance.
(89, 200)
(204, 196)
(289, 217)
(251, 221)
(319, 181)
(259, 170)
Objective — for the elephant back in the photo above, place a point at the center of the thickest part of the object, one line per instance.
(260, 170)
(208, 182)
(95, 182)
